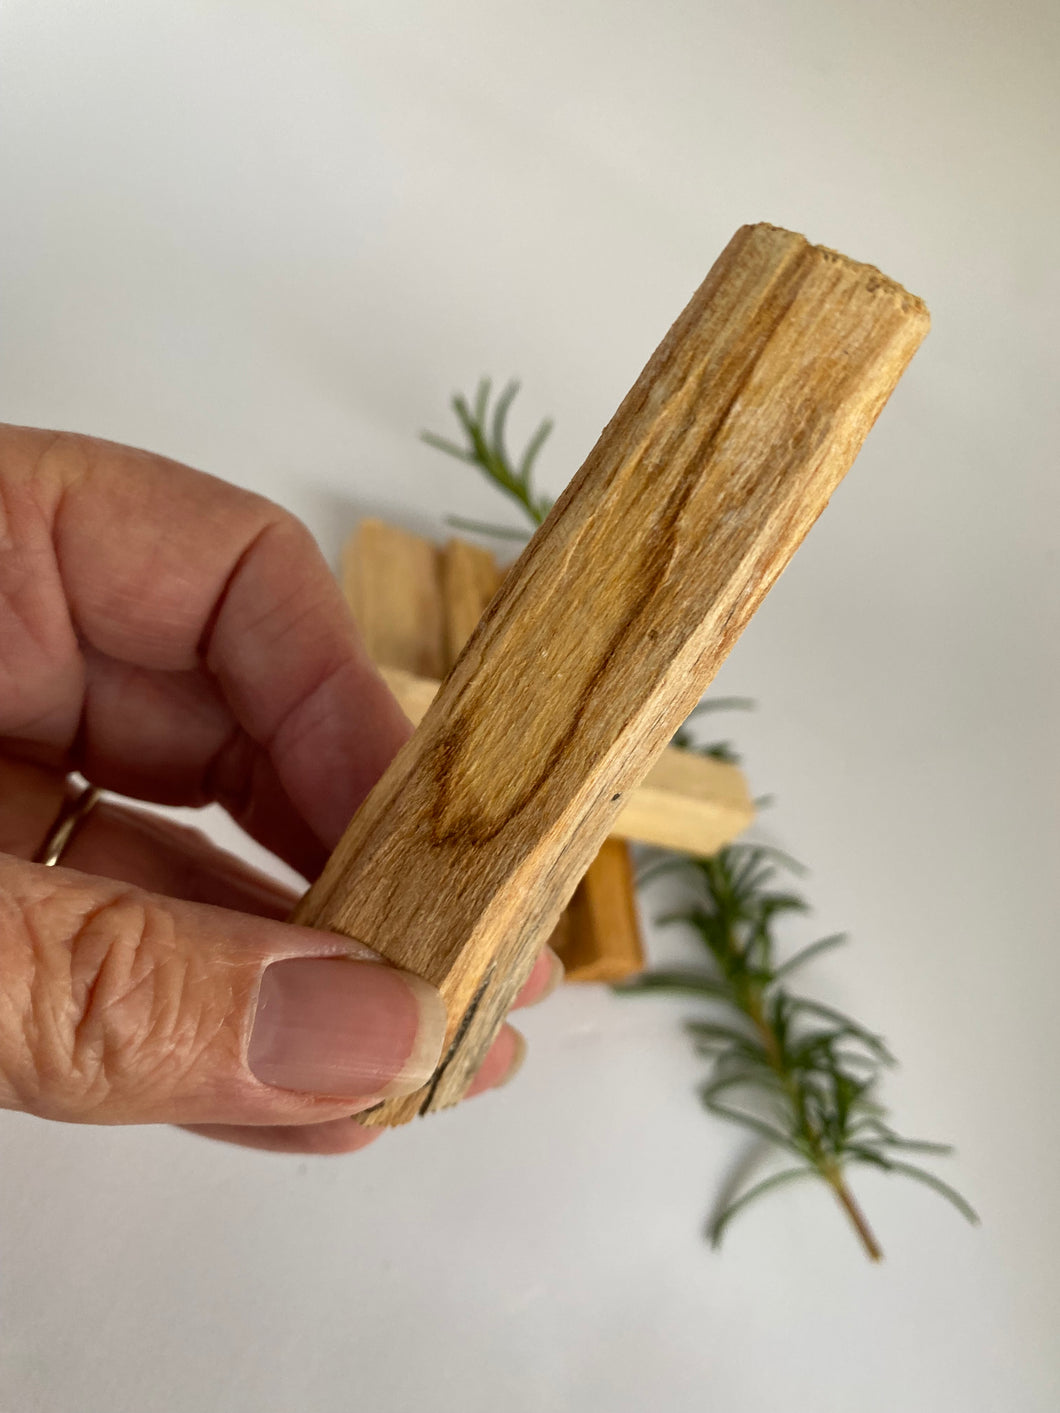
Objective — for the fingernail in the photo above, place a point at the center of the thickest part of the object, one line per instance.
(327, 1025)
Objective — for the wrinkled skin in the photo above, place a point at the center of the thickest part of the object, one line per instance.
(180, 641)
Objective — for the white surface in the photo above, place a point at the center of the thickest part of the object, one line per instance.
(270, 239)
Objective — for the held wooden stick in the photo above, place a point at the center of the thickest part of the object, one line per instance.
(597, 938)
(611, 624)
(400, 610)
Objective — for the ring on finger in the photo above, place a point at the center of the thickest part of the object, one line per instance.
(72, 814)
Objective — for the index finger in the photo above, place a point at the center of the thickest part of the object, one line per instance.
(158, 573)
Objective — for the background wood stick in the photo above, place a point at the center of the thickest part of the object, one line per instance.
(392, 581)
(470, 579)
(599, 937)
(611, 624)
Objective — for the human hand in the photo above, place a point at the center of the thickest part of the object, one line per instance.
(181, 641)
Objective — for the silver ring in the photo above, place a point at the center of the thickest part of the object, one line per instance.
(65, 825)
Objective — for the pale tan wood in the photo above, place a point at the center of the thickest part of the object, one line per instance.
(392, 581)
(598, 937)
(686, 802)
(414, 693)
(601, 940)
(692, 804)
(611, 624)
(470, 579)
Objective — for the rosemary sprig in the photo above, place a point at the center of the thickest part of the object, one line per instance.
(798, 1074)
(486, 450)
(801, 1076)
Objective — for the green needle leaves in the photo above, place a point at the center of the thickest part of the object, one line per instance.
(797, 1073)
(486, 449)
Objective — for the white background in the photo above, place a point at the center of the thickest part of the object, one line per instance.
(270, 239)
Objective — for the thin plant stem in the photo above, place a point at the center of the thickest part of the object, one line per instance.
(857, 1217)
(831, 1172)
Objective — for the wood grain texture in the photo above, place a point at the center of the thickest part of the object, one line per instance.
(611, 624)
(598, 936)
(686, 802)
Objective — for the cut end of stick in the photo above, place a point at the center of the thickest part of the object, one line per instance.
(872, 279)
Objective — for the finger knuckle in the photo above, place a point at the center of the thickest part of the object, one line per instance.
(115, 1012)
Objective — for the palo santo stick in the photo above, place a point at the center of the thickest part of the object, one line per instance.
(601, 940)
(392, 582)
(689, 803)
(470, 578)
(609, 627)
(686, 802)
(598, 938)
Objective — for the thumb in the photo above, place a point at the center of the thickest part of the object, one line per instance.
(121, 1006)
